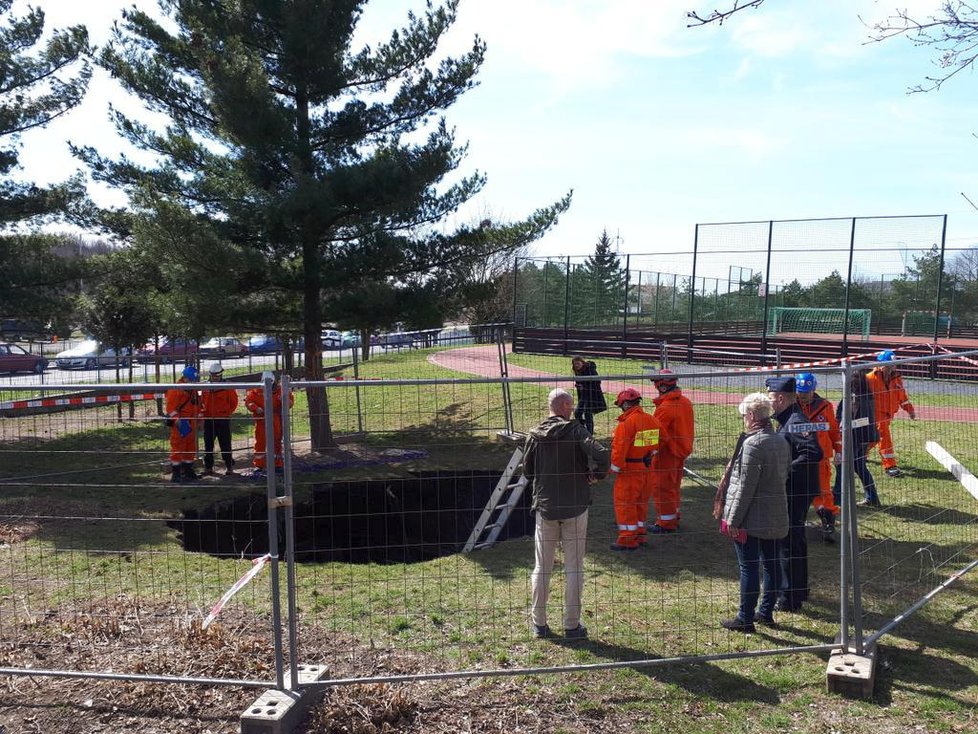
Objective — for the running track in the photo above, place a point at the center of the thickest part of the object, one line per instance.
(484, 362)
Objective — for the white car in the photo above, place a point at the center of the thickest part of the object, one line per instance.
(331, 339)
(89, 355)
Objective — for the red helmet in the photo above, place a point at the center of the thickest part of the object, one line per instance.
(629, 393)
(665, 375)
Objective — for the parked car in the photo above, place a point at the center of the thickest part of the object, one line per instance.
(90, 354)
(331, 339)
(349, 339)
(269, 344)
(14, 358)
(455, 335)
(223, 347)
(171, 350)
(22, 329)
(396, 339)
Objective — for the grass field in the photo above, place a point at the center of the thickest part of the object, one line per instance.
(92, 563)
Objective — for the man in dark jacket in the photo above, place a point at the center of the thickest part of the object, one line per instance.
(802, 487)
(558, 461)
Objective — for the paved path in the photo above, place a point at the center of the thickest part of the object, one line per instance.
(484, 362)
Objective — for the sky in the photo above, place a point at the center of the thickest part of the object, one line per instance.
(783, 112)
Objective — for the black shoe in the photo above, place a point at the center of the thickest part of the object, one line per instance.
(189, 475)
(659, 530)
(542, 631)
(578, 633)
(869, 503)
(828, 534)
(176, 477)
(229, 472)
(738, 625)
(209, 472)
(894, 471)
(782, 605)
(767, 620)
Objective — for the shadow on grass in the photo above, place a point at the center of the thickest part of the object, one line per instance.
(930, 514)
(928, 669)
(703, 679)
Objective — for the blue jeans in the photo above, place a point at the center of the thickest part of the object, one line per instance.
(860, 470)
(753, 555)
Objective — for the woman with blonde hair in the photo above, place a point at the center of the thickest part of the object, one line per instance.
(754, 511)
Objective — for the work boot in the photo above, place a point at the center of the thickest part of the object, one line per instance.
(209, 471)
(189, 474)
(176, 477)
(894, 471)
(229, 468)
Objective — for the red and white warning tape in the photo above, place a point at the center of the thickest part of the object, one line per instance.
(257, 565)
(81, 400)
(820, 363)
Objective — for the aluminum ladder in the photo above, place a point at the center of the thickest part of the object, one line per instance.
(501, 502)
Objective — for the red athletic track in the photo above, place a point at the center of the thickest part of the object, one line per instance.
(484, 362)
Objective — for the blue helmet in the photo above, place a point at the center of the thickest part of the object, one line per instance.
(190, 372)
(885, 356)
(805, 382)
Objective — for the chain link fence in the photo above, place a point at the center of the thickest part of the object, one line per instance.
(359, 545)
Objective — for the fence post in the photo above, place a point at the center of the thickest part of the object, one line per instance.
(767, 291)
(290, 580)
(845, 313)
(268, 385)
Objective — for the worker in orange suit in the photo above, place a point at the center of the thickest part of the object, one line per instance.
(182, 410)
(633, 446)
(674, 412)
(823, 423)
(255, 403)
(216, 408)
(889, 396)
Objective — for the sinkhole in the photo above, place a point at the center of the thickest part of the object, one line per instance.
(426, 515)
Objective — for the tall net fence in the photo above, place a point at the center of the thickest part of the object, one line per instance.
(885, 275)
(111, 565)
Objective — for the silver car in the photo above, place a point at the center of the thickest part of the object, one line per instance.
(89, 355)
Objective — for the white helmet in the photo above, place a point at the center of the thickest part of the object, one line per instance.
(267, 375)
(215, 368)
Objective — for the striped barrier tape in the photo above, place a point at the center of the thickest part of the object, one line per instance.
(81, 400)
(257, 565)
(820, 363)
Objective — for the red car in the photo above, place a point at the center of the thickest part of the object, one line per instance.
(171, 350)
(16, 359)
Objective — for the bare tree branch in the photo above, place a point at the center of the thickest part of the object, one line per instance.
(718, 16)
(952, 32)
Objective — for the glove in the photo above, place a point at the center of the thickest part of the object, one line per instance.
(183, 427)
(912, 413)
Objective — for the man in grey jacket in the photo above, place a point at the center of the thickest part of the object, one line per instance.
(561, 462)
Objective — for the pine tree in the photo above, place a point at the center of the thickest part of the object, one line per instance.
(319, 165)
(37, 85)
(598, 287)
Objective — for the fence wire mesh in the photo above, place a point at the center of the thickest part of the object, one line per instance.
(102, 550)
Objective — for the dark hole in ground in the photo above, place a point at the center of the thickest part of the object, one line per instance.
(426, 516)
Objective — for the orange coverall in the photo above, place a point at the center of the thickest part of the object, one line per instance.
(255, 403)
(675, 415)
(635, 442)
(182, 403)
(889, 396)
(820, 410)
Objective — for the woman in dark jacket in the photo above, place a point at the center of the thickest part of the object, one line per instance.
(864, 435)
(590, 398)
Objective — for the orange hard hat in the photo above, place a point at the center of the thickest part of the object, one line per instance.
(629, 393)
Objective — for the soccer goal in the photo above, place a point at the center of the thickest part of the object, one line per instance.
(782, 319)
